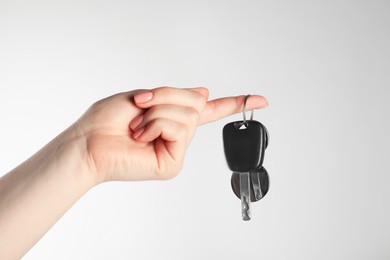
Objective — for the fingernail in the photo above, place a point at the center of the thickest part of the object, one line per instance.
(139, 132)
(136, 122)
(143, 97)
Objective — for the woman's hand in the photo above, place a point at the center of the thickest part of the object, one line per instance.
(139, 135)
(143, 134)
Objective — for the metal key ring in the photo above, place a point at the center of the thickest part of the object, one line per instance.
(244, 111)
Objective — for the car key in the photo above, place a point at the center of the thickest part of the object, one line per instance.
(244, 146)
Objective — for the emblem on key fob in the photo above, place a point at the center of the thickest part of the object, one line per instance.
(244, 146)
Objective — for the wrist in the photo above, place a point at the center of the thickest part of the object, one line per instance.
(71, 153)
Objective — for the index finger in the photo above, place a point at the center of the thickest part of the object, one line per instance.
(222, 107)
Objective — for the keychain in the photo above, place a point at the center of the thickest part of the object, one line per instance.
(244, 146)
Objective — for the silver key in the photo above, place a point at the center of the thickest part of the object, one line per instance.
(245, 191)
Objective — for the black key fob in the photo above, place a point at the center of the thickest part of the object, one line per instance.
(244, 145)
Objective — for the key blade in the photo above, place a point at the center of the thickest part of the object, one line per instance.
(255, 180)
(245, 195)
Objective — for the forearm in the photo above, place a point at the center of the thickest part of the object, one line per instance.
(37, 193)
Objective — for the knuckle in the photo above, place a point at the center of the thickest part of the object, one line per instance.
(182, 131)
(151, 112)
(155, 123)
(164, 91)
(206, 91)
(193, 115)
(200, 100)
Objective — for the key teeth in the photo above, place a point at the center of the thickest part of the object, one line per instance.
(256, 185)
(258, 195)
(245, 195)
(245, 209)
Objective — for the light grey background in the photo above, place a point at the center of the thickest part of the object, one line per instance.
(324, 67)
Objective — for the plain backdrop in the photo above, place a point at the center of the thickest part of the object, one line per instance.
(324, 66)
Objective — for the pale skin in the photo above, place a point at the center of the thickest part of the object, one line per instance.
(131, 136)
